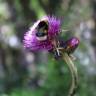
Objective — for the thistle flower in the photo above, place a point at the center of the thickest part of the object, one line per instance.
(42, 35)
(32, 42)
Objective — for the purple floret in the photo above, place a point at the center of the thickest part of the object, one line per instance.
(54, 26)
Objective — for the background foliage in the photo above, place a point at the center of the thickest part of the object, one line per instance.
(24, 73)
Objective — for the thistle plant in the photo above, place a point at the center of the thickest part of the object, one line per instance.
(44, 35)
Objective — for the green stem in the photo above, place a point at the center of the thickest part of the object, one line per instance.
(74, 74)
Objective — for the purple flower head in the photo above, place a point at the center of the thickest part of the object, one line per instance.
(70, 45)
(40, 35)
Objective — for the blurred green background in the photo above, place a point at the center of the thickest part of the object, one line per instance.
(24, 73)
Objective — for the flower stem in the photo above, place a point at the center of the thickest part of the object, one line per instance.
(74, 74)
